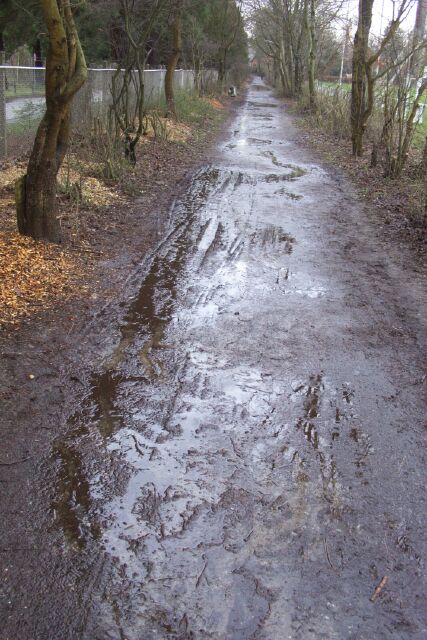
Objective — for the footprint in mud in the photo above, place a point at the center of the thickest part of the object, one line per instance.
(311, 408)
(272, 236)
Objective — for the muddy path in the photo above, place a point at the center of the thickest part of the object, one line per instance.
(248, 461)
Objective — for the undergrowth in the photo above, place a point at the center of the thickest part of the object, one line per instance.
(406, 195)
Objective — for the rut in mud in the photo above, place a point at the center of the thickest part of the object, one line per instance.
(248, 462)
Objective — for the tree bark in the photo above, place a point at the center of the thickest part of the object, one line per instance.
(358, 88)
(174, 58)
(416, 67)
(66, 72)
(409, 130)
(311, 32)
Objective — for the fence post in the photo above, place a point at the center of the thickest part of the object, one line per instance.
(3, 141)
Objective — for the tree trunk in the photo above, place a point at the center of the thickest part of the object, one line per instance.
(409, 130)
(311, 32)
(297, 77)
(37, 52)
(37, 219)
(416, 66)
(174, 58)
(424, 170)
(65, 73)
(222, 70)
(358, 88)
(363, 83)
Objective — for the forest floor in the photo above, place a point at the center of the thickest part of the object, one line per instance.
(221, 435)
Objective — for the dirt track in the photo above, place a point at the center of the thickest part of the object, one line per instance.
(248, 462)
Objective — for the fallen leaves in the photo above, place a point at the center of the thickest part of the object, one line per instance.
(9, 173)
(170, 129)
(216, 104)
(32, 275)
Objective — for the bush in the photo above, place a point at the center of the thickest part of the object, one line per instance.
(333, 110)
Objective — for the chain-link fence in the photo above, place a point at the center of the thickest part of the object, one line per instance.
(22, 101)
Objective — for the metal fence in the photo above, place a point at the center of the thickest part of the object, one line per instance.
(22, 101)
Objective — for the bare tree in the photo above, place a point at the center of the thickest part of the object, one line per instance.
(287, 32)
(229, 21)
(364, 78)
(128, 89)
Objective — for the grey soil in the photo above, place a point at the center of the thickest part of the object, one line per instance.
(247, 462)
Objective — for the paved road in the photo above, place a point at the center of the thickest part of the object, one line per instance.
(249, 462)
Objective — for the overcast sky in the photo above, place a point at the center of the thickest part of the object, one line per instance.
(383, 13)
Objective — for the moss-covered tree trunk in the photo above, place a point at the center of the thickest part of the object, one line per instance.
(65, 73)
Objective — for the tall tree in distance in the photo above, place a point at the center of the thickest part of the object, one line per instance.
(137, 21)
(310, 17)
(174, 57)
(227, 23)
(66, 72)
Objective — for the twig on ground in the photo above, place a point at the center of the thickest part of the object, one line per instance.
(199, 579)
(137, 447)
(236, 451)
(325, 544)
(10, 464)
(378, 590)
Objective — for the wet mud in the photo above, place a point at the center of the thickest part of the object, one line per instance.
(247, 462)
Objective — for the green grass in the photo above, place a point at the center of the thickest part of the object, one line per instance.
(420, 130)
(345, 86)
(22, 127)
(420, 133)
(23, 91)
(191, 109)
